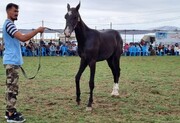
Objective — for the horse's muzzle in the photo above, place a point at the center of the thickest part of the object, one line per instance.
(67, 32)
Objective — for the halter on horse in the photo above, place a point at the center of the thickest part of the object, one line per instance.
(94, 46)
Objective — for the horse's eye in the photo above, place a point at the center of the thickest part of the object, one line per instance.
(75, 17)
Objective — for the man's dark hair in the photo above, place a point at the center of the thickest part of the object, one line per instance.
(10, 5)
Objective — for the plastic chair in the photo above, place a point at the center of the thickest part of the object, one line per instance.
(23, 49)
(64, 50)
(138, 51)
(132, 51)
(145, 51)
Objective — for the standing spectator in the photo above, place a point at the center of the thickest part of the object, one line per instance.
(50, 43)
(42, 42)
(58, 50)
(59, 42)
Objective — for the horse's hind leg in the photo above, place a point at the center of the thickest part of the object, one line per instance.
(82, 67)
(113, 63)
(115, 91)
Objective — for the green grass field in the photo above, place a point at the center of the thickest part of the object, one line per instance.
(149, 91)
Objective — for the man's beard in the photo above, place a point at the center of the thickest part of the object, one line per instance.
(14, 18)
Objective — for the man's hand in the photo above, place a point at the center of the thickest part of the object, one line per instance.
(41, 29)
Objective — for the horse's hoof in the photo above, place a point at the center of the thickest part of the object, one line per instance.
(115, 94)
(88, 108)
(78, 103)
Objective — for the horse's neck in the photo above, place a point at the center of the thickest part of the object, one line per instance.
(81, 32)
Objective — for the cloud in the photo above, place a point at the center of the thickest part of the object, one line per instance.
(138, 14)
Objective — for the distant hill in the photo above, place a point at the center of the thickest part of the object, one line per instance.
(170, 28)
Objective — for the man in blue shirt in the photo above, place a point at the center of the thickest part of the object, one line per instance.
(12, 60)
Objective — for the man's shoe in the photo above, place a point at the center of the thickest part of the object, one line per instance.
(16, 117)
(7, 114)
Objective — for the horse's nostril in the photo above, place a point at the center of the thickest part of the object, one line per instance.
(67, 35)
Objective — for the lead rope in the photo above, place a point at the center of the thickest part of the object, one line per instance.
(39, 65)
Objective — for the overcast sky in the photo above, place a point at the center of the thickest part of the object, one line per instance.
(124, 14)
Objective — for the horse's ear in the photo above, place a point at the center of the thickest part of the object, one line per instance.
(68, 7)
(78, 6)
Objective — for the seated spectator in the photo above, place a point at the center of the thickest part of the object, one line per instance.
(64, 50)
(33, 49)
(172, 50)
(47, 50)
(160, 50)
(73, 50)
(23, 49)
(176, 49)
(43, 50)
(126, 48)
(29, 49)
(169, 50)
(1, 49)
(166, 50)
(52, 49)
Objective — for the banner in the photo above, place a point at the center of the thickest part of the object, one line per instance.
(167, 37)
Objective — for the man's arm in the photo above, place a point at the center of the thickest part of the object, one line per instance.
(28, 36)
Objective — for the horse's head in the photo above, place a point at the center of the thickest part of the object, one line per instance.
(72, 19)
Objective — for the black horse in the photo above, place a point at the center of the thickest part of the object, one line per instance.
(94, 46)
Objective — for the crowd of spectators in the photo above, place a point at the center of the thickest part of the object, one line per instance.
(70, 49)
(146, 49)
(167, 49)
(51, 48)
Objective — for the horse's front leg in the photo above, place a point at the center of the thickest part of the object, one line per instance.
(92, 66)
(82, 67)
